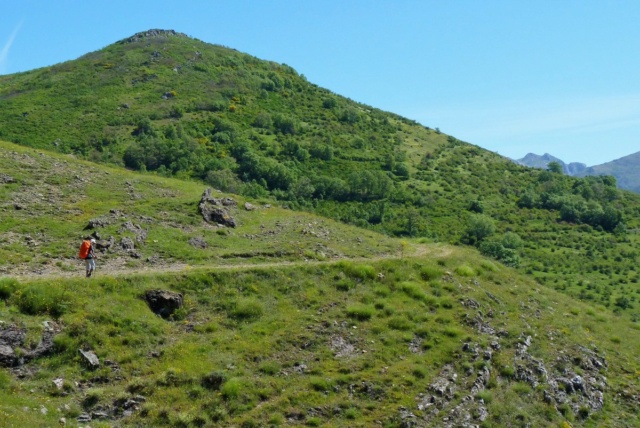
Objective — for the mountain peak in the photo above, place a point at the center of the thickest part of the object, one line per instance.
(153, 34)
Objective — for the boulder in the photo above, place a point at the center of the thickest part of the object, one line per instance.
(163, 302)
(90, 359)
(213, 210)
(12, 338)
(7, 179)
(8, 358)
(198, 243)
(127, 244)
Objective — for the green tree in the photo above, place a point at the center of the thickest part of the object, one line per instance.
(554, 167)
(479, 227)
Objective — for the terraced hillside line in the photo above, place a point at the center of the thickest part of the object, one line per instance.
(118, 267)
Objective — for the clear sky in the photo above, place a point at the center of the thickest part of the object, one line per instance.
(555, 76)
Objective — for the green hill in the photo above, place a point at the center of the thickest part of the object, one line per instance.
(163, 102)
(288, 319)
(379, 272)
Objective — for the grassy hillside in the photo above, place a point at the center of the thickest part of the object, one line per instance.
(289, 318)
(426, 342)
(50, 202)
(163, 102)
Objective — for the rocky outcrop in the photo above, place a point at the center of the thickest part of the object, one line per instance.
(163, 302)
(12, 340)
(153, 33)
(215, 210)
(198, 243)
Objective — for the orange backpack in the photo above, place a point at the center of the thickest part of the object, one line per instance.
(84, 249)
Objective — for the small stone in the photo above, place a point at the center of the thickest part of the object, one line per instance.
(91, 359)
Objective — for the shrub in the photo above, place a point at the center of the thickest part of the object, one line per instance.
(40, 299)
(320, 384)
(465, 270)
(360, 312)
(413, 290)
(344, 284)
(269, 368)
(429, 273)
(507, 371)
(400, 323)
(484, 396)
(7, 287)
(247, 310)
(213, 381)
(480, 227)
(452, 332)
(92, 397)
(231, 389)
(358, 272)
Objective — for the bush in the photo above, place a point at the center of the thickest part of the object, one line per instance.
(495, 249)
(360, 312)
(480, 227)
(213, 381)
(231, 389)
(269, 368)
(484, 396)
(360, 272)
(7, 287)
(413, 290)
(320, 384)
(465, 270)
(41, 299)
(429, 273)
(247, 309)
(400, 323)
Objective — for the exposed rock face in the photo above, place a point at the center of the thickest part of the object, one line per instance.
(6, 179)
(12, 338)
(163, 302)
(153, 33)
(127, 244)
(141, 234)
(213, 210)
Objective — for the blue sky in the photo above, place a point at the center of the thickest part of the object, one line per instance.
(510, 76)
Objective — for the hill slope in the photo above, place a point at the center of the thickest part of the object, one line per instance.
(163, 102)
(288, 318)
(447, 342)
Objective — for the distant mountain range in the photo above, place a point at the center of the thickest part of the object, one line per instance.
(625, 170)
(537, 161)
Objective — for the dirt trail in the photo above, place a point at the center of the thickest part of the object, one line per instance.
(118, 266)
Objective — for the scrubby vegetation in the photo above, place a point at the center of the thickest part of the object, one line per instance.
(167, 104)
(281, 346)
(292, 317)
